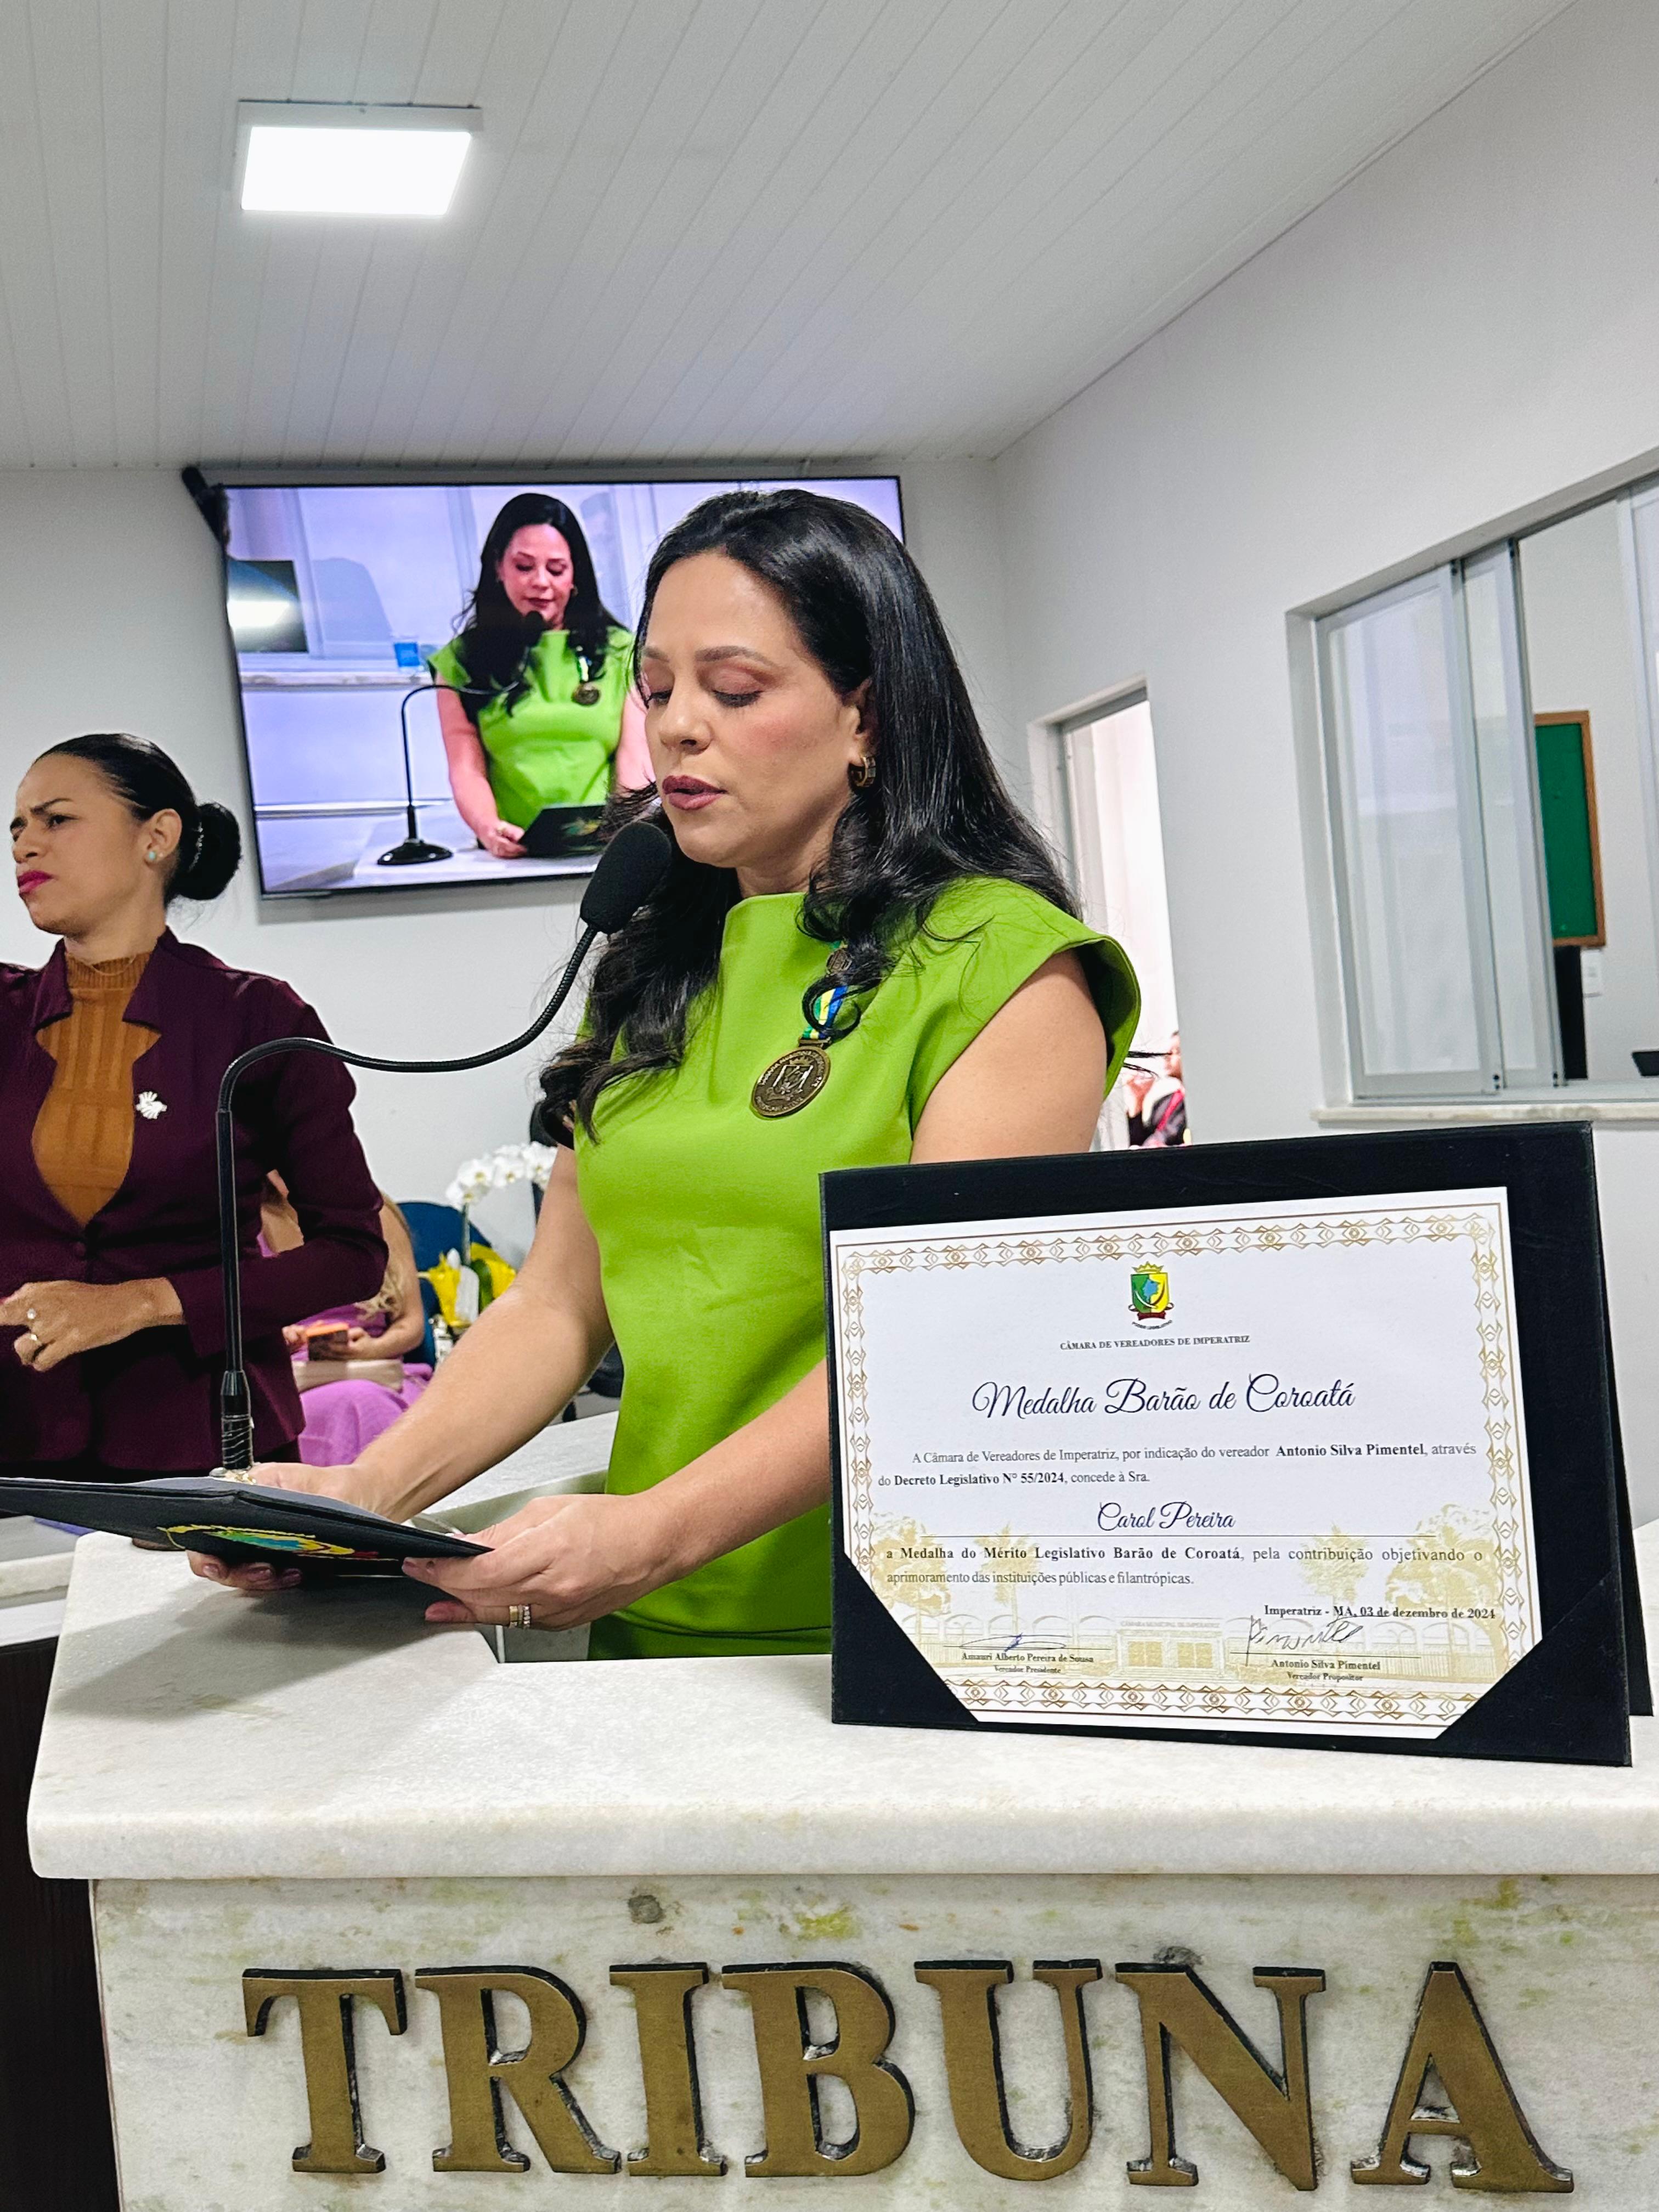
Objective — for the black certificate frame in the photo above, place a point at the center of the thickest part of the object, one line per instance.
(1568, 1700)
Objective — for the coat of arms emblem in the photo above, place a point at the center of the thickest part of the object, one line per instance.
(1149, 1295)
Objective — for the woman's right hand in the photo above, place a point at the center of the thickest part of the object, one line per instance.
(259, 1579)
(469, 781)
(504, 839)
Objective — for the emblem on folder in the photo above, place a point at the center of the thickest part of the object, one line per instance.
(267, 1539)
(1149, 1295)
(150, 1106)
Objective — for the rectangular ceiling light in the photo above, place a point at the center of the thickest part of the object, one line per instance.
(300, 157)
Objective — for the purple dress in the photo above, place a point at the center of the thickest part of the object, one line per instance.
(344, 1419)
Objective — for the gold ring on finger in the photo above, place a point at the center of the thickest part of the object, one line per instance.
(519, 1616)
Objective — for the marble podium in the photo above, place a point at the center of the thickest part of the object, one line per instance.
(383, 1922)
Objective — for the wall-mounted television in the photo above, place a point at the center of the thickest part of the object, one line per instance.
(349, 603)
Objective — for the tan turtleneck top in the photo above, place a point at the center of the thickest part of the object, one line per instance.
(83, 1132)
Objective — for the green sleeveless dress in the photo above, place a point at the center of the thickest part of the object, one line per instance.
(549, 750)
(706, 1216)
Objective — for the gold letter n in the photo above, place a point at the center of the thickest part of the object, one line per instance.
(1175, 2007)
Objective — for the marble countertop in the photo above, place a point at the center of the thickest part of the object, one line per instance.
(35, 1559)
(34, 1571)
(195, 1735)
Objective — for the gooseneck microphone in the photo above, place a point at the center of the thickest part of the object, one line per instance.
(630, 870)
(417, 851)
(414, 850)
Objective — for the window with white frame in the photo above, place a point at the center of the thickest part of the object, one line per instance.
(1491, 771)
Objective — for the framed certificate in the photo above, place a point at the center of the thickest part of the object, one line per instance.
(1310, 1443)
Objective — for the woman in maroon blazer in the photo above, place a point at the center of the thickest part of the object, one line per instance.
(111, 1324)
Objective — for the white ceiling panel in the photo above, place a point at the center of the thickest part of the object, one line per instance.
(689, 227)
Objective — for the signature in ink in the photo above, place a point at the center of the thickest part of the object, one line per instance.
(1337, 1630)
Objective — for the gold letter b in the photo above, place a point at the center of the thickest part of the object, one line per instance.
(791, 2063)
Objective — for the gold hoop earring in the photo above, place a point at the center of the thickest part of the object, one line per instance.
(863, 775)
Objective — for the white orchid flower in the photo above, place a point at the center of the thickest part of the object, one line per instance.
(509, 1163)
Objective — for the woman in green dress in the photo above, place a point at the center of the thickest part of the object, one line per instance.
(846, 857)
(540, 708)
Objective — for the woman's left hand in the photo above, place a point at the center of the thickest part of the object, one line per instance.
(569, 1559)
(59, 1320)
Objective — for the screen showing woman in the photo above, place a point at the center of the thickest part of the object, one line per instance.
(539, 709)
(437, 679)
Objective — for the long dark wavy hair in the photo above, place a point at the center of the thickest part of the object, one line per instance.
(936, 811)
(495, 640)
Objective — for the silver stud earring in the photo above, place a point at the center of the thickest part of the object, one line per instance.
(150, 856)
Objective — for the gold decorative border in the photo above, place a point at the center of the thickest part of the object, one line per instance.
(1494, 1323)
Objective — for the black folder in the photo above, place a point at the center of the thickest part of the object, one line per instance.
(564, 833)
(1569, 1697)
(243, 1523)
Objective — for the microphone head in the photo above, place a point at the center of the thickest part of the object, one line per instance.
(532, 628)
(631, 868)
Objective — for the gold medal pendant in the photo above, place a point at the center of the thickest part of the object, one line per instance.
(791, 1081)
(587, 694)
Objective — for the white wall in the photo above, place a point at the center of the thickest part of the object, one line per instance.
(953, 526)
(1471, 325)
(110, 618)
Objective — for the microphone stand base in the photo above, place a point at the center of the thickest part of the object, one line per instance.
(411, 854)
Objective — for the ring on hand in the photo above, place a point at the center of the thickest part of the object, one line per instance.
(31, 1314)
(518, 1616)
(30, 1336)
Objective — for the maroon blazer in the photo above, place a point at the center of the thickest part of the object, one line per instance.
(150, 1403)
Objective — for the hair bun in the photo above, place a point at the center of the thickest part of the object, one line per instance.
(204, 873)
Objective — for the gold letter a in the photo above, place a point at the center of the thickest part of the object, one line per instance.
(1451, 2037)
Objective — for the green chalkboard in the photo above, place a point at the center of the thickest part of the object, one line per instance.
(1566, 807)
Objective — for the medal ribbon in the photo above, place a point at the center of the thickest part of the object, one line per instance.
(822, 1010)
